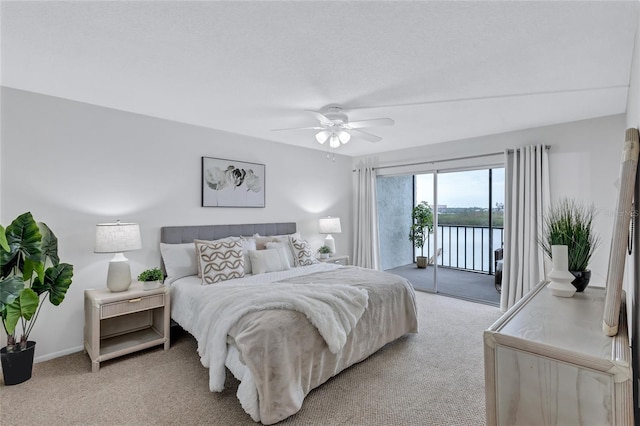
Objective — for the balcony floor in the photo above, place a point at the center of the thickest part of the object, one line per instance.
(474, 286)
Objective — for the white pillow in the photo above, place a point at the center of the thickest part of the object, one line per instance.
(261, 240)
(271, 260)
(286, 248)
(220, 260)
(248, 244)
(302, 252)
(179, 260)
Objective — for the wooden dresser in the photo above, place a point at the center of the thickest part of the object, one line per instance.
(548, 362)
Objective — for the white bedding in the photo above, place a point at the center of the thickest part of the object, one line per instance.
(334, 309)
(187, 293)
(272, 388)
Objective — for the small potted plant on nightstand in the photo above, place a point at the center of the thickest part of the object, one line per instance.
(151, 278)
(324, 251)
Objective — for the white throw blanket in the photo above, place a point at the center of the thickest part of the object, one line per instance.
(334, 309)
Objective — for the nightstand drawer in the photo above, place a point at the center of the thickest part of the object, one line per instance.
(132, 305)
(338, 260)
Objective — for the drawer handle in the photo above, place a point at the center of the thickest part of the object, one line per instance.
(135, 300)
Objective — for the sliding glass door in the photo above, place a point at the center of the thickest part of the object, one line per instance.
(468, 210)
(424, 192)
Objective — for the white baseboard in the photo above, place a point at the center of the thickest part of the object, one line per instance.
(47, 357)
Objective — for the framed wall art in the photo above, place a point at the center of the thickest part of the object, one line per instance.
(230, 183)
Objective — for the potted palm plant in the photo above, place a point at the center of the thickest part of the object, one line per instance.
(30, 273)
(570, 223)
(421, 228)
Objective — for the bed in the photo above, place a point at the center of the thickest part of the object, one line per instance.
(280, 332)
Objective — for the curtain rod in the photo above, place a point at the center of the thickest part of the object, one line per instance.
(468, 157)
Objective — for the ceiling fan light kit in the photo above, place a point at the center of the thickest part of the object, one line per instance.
(344, 136)
(322, 136)
(335, 138)
(336, 128)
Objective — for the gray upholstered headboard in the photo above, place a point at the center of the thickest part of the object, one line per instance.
(186, 234)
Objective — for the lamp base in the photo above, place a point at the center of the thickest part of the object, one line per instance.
(331, 243)
(119, 275)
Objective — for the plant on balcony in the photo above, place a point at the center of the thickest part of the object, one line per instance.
(421, 228)
(570, 223)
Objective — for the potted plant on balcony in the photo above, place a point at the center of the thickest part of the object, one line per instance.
(30, 273)
(421, 228)
(570, 223)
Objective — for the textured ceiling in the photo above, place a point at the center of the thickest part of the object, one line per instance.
(442, 70)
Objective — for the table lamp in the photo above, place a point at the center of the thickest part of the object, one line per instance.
(330, 225)
(118, 238)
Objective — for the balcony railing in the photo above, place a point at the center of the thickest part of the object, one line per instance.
(470, 248)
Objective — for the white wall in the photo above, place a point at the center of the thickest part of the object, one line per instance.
(583, 161)
(74, 165)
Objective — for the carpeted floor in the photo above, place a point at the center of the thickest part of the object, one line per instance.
(433, 378)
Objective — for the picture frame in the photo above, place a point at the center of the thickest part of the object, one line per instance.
(232, 183)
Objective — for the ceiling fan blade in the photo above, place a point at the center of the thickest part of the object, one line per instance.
(299, 128)
(321, 117)
(364, 135)
(376, 122)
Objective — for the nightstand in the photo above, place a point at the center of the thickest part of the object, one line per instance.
(340, 260)
(117, 324)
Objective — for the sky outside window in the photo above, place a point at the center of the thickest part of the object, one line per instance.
(462, 189)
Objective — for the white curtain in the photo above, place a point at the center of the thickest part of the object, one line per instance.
(526, 199)
(366, 241)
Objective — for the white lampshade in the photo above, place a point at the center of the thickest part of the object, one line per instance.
(334, 142)
(117, 238)
(322, 136)
(330, 225)
(344, 136)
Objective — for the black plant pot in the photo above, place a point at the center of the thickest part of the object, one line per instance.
(582, 279)
(17, 366)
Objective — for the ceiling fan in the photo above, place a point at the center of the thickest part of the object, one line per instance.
(336, 128)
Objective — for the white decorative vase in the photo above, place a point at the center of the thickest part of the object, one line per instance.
(324, 255)
(560, 278)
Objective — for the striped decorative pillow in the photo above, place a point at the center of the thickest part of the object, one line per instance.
(302, 253)
(220, 260)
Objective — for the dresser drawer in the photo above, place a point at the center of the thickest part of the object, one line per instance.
(114, 309)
